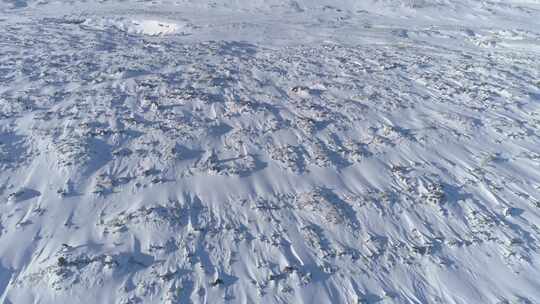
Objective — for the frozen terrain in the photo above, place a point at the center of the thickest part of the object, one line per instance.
(278, 151)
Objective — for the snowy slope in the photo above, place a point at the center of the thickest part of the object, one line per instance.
(269, 151)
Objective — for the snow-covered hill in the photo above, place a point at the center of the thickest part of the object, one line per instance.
(269, 151)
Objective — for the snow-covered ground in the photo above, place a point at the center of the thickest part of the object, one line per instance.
(278, 151)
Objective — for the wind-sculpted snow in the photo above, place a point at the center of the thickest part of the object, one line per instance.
(141, 162)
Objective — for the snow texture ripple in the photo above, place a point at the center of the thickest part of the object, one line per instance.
(270, 151)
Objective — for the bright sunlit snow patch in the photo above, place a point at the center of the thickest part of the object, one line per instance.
(151, 27)
(139, 26)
